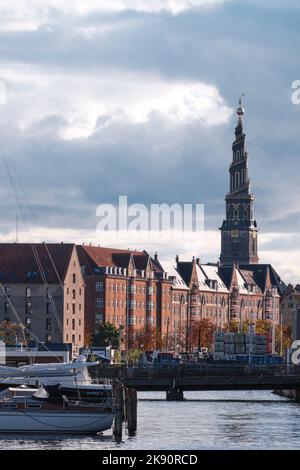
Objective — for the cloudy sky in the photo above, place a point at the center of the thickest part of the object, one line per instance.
(136, 97)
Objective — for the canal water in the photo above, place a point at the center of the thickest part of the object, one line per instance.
(205, 420)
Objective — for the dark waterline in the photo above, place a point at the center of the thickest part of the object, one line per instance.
(205, 420)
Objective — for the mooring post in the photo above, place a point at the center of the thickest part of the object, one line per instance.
(119, 410)
(174, 393)
(131, 409)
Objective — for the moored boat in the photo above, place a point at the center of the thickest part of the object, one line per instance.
(25, 410)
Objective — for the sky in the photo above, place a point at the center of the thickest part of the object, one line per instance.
(137, 97)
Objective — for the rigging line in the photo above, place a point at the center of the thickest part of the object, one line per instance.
(44, 279)
(11, 305)
(40, 267)
(23, 327)
(38, 261)
(34, 218)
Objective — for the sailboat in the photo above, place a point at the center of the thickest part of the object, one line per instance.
(46, 409)
(73, 378)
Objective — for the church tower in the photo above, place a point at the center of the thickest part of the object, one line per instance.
(239, 229)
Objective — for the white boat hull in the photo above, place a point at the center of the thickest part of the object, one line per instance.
(13, 421)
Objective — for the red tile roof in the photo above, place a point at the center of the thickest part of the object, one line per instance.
(95, 256)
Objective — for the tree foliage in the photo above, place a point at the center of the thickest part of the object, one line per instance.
(106, 335)
(147, 339)
(10, 333)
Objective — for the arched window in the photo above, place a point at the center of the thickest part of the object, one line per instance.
(237, 154)
(237, 179)
(244, 176)
(231, 183)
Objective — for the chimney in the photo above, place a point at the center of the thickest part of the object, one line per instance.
(155, 256)
(177, 259)
(198, 261)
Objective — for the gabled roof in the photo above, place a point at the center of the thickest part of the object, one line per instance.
(211, 273)
(232, 275)
(95, 257)
(173, 274)
(260, 273)
(19, 262)
(185, 269)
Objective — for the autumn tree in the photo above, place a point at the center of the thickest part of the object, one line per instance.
(147, 339)
(10, 333)
(201, 334)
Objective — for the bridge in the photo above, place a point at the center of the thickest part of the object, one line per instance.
(178, 378)
(175, 379)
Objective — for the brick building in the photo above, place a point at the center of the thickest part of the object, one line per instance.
(290, 304)
(42, 287)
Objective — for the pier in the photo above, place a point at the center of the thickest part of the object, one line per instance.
(175, 380)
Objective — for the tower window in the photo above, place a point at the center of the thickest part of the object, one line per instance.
(237, 154)
(243, 176)
(237, 179)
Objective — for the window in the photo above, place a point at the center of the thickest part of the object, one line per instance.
(243, 176)
(79, 307)
(73, 309)
(27, 321)
(74, 278)
(237, 179)
(73, 294)
(48, 338)
(99, 318)
(73, 339)
(99, 302)
(99, 286)
(73, 323)
(79, 322)
(48, 324)
(49, 308)
(27, 292)
(6, 307)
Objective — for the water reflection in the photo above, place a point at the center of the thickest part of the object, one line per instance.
(206, 420)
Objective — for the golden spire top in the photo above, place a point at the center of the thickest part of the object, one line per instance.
(240, 110)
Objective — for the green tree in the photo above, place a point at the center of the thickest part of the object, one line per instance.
(106, 335)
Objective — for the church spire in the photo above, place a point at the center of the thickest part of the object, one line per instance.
(239, 229)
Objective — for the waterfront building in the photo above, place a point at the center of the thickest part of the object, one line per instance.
(290, 304)
(42, 288)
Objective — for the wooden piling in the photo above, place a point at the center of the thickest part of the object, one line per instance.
(297, 396)
(131, 409)
(119, 410)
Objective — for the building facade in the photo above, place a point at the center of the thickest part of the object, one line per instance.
(42, 288)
